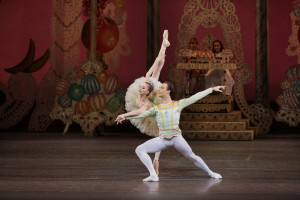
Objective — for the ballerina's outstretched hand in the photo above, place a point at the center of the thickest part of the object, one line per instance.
(120, 118)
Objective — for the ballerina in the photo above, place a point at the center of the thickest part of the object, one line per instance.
(141, 96)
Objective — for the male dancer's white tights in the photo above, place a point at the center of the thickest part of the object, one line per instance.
(158, 144)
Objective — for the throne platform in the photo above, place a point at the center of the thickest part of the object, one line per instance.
(213, 118)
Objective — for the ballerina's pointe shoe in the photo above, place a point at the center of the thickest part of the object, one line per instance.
(165, 34)
(215, 175)
(156, 166)
(151, 178)
(165, 38)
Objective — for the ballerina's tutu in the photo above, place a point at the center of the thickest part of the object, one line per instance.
(146, 125)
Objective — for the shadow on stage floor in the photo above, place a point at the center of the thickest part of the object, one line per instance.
(47, 165)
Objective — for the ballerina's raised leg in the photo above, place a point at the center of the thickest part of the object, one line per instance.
(157, 67)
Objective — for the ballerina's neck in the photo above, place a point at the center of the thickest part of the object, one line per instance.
(143, 97)
(142, 101)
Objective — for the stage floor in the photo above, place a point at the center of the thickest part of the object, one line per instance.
(50, 166)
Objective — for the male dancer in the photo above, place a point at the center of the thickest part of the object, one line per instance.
(167, 115)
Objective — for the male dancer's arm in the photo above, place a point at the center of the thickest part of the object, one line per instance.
(186, 102)
(149, 113)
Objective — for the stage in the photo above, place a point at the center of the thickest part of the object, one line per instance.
(51, 166)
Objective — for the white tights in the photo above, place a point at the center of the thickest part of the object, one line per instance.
(158, 144)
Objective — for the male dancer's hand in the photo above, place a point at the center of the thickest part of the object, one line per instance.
(218, 88)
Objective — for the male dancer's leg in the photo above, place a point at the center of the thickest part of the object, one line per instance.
(183, 147)
(151, 146)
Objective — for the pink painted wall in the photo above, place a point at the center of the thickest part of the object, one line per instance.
(134, 66)
(280, 29)
(19, 22)
(22, 20)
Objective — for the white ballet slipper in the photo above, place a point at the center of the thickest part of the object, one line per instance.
(166, 43)
(165, 38)
(151, 178)
(215, 175)
(165, 34)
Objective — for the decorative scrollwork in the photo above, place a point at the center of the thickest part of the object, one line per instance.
(210, 4)
(294, 47)
(289, 101)
(208, 14)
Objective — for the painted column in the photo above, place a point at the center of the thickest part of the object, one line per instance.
(261, 52)
(153, 30)
(93, 30)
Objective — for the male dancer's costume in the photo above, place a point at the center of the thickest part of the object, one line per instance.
(167, 117)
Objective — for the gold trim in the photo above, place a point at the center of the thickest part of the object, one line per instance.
(169, 129)
(219, 135)
(165, 106)
(172, 112)
(162, 116)
(191, 66)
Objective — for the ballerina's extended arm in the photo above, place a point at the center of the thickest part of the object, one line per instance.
(122, 117)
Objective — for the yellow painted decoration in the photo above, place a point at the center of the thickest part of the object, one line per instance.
(80, 73)
(119, 3)
(102, 77)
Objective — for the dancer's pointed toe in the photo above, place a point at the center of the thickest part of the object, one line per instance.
(165, 38)
(165, 34)
(216, 175)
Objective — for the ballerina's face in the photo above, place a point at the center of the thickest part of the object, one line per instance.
(193, 44)
(144, 89)
(217, 47)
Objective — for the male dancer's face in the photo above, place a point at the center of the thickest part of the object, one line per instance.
(163, 91)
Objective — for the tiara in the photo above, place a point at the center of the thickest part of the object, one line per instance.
(150, 83)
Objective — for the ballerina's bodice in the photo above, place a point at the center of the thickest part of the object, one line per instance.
(140, 103)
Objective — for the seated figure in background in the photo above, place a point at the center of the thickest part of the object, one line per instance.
(195, 74)
(215, 77)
